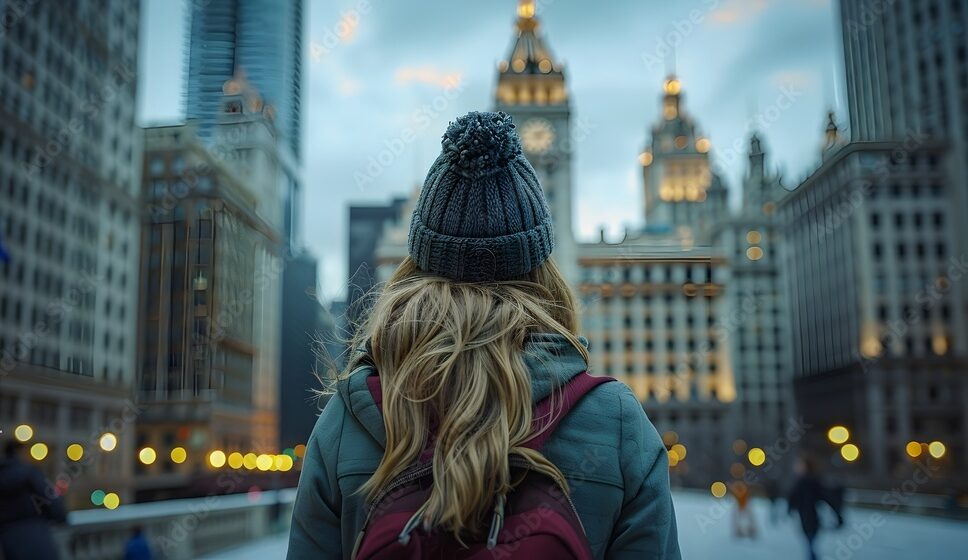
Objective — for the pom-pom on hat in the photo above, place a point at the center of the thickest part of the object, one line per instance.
(481, 215)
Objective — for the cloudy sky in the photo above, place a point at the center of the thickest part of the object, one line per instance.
(375, 68)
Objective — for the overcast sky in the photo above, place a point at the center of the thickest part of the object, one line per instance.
(371, 65)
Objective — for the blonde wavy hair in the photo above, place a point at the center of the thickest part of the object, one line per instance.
(450, 356)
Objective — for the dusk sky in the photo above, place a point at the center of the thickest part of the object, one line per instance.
(372, 65)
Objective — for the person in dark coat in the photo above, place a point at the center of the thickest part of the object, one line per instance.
(808, 491)
(28, 505)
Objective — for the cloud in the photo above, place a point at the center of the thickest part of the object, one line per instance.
(738, 11)
(430, 75)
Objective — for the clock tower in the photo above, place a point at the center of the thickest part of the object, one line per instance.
(531, 88)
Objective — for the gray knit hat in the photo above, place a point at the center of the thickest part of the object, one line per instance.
(481, 215)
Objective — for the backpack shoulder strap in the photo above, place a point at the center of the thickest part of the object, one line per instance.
(546, 418)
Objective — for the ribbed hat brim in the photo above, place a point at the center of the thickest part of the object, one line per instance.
(475, 259)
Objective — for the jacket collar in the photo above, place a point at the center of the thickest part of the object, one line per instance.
(549, 357)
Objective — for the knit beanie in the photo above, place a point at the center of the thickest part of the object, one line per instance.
(481, 215)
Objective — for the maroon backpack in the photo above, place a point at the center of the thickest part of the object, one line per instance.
(536, 520)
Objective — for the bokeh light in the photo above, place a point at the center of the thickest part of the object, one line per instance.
(838, 434)
(216, 458)
(718, 489)
(97, 497)
(23, 433)
(913, 449)
(249, 461)
(235, 460)
(263, 462)
(147, 455)
(178, 455)
(38, 451)
(679, 450)
(756, 456)
(112, 500)
(936, 449)
(850, 452)
(75, 452)
(108, 441)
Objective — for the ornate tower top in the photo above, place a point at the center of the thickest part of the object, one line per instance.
(530, 75)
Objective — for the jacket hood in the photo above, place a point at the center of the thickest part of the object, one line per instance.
(550, 358)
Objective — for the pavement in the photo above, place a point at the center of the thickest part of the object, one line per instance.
(706, 531)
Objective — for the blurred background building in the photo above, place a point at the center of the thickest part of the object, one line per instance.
(211, 298)
(70, 167)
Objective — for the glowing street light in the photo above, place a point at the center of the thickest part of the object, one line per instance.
(75, 452)
(850, 452)
(936, 449)
(38, 451)
(264, 462)
(108, 441)
(112, 500)
(23, 433)
(838, 434)
(147, 455)
(178, 455)
(913, 449)
(756, 456)
(216, 458)
(249, 461)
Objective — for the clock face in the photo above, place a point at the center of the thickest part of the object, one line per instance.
(537, 135)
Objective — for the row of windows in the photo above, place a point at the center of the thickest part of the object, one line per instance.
(916, 219)
(902, 250)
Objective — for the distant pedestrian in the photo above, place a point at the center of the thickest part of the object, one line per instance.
(28, 505)
(137, 547)
(807, 492)
(744, 524)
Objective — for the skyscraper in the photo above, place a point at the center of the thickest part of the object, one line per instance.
(877, 336)
(70, 162)
(906, 65)
(262, 41)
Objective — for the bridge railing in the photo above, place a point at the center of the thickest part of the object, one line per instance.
(177, 529)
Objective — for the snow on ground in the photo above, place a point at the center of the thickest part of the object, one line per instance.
(706, 531)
